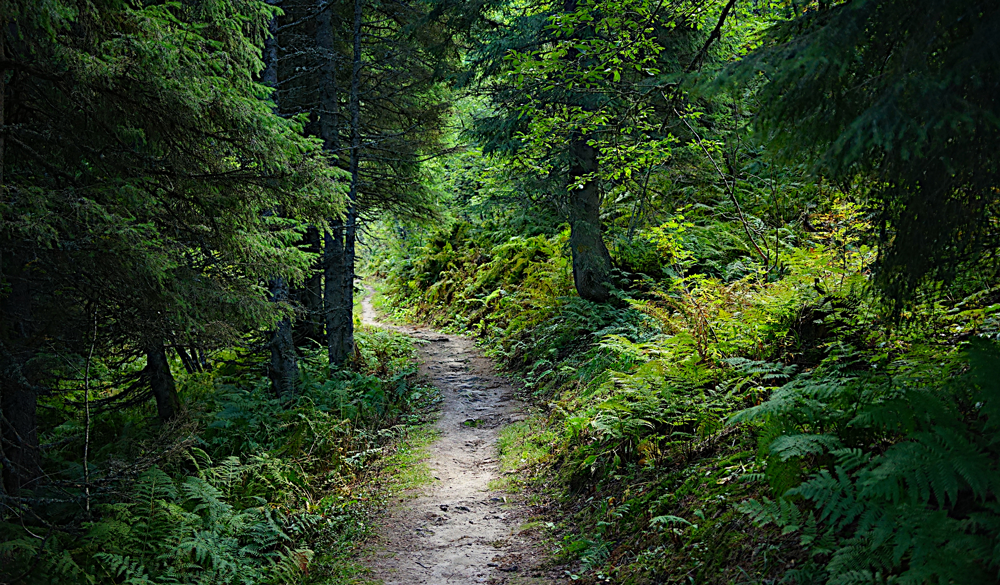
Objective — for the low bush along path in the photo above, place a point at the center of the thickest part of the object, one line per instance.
(457, 530)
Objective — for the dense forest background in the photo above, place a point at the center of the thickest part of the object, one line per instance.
(742, 254)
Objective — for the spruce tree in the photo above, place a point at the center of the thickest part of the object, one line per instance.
(369, 75)
(139, 164)
(897, 100)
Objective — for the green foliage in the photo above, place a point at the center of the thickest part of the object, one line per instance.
(634, 441)
(637, 394)
(141, 168)
(252, 490)
(902, 464)
(555, 86)
(195, 535)
(895, 99)
(747, 228)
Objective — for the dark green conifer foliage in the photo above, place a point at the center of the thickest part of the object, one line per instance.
(901, 99)
(371, 77)
(140, 160)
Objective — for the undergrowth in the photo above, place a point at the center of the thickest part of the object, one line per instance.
(714, 425)
(245, 488)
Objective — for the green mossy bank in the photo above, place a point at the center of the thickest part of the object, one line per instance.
(730, 426)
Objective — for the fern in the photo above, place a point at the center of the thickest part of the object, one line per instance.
(787, 446)
(291, 566)
(124, 569)
(908, 493)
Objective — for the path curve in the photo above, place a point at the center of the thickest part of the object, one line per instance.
(457, 530)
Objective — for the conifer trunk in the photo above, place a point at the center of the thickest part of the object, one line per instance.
(329, 92)
(315, 292)
(336, 272)
(3, 118)
(284, 369)
(339, 293)
(18, 398)
(310, 327)
(161, 381)
(338, 329)
(346, 306)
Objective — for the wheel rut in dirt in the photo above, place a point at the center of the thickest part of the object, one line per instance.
(457, 530)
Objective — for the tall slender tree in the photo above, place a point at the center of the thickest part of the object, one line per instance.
(369, 77)
(283, 367)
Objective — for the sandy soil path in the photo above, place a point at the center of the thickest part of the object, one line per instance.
(457, 530)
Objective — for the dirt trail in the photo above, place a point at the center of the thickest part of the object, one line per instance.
(457, 530)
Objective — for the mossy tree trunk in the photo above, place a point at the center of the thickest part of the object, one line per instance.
(591, 260)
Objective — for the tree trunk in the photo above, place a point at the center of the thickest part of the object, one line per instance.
(591, 260)
(18, 396)
(161, 381)
(311, 295)
(345, 320)
(329, 91)
(284, 370)
(3, 118)
(338, 244)
(310, 328)
(186, 360)
(339, 317)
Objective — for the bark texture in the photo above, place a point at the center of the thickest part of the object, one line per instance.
(339, 305)
(309, 328)
(591, 260)
(338, 277)
(284, 370)
(161, 382)
(341, 337)
(329, 91)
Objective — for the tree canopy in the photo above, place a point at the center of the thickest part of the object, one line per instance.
(897, 100)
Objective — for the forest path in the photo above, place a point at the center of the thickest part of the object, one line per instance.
(457, 530)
